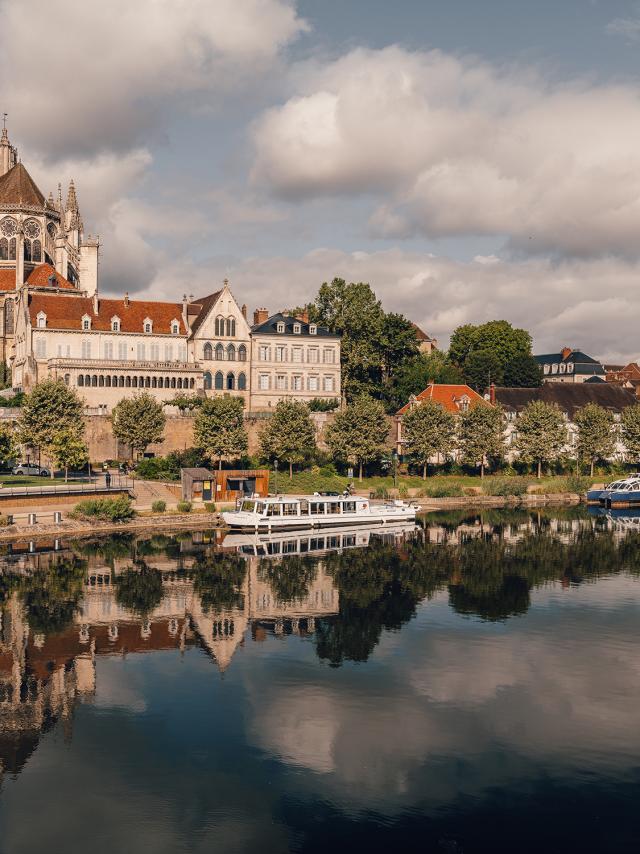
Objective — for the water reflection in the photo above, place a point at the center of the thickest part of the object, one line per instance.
(482, 675)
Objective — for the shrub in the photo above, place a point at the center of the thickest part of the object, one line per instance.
(209, 506)
(443, 490)
(159, 506)
(381, 492)
(320, 404)
(506, 487)
(184, 506)
(107, 509)
(328, 471)
(576, 483)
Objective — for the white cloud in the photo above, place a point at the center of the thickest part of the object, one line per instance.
(459, 147)
(588, 303)
(627, 27)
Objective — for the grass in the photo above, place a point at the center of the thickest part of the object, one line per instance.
(308, 482)
(33, 480)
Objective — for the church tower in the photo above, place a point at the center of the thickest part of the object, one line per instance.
(8, 154)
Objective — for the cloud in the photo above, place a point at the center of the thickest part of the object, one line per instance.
(589, 303)
(454, 146)
(115, 69)
(627, 27)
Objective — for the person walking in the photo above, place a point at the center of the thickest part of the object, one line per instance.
(107, 479)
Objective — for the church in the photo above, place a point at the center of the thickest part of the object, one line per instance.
(55, 323)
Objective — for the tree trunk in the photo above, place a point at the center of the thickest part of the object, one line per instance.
(424, 471)
(290, 470)
(592, 463)
(66, 473)
(539, 469)
(482, 470)
(219, 463)
(360, 471)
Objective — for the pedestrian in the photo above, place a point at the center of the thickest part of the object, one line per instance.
(107, 479)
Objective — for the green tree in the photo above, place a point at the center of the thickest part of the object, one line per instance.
(481, 435)
(289, 434)
(69, 450)
(596, 434)
(522, 371)
(51, 407)
(630, 424)
(398, 342)
(138, 421)
(415, 374)
(482, 368)
(218, 428)
(542, 433)
(359, 433)
(8, 445)
(498, 337)
(427, 429)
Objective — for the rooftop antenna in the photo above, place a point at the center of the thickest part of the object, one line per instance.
(4, 120)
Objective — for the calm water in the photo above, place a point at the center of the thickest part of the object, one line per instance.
(473, 686)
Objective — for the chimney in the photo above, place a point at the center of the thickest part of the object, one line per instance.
(244, 311)
(126, 300)
(492, 394)
(303, 315)
(566, 352)
(260, 315)
(96, 304)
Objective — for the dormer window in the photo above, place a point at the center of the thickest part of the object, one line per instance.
(86, 323)
(42, 320)
(147, 325)
(280, 326)
(115, 324)
(296, 329)
(313, 329)
(175, 327)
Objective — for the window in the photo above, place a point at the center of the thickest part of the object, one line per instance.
(37, 250)
(141, 352)
(208, 352)
(231, 353)
(64, 350)
(86, 322)
(219, 381)
(231, 381)
(313, 383)
(263, 382)
(219, 327)
(242, 382)
(280, 326)
(264, 353)
(464, 404)
(122, 350)
(328, 356)
(242, 353)
(313, 329)
(313, 354)
(108, 350)
(168, 352)
(4, 249)
(281, 382)
(42, 320)
(296, 354)
(570, 368)
(296, 329)
(41, 348)
(231, 327)
(317, 508)
(207, 380)
(81, 380)
(147, 325)
(554, 369)
(86, 349)
(155, 352)
(297, 383)
(563, 368)
(175, 327)
(182, 353)
(219, 352)
(328, 385)
(281, 353)
(546, 369)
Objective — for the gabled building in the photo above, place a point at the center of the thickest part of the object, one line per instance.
(569, 366)
(626, 376)
(426, 344)
(456, 399)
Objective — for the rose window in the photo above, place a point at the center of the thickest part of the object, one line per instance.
(8, 226)
(31, 228)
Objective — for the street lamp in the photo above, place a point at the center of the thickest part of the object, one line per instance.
(394, 455)
(275, 466)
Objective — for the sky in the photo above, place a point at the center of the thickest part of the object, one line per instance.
(471, 161)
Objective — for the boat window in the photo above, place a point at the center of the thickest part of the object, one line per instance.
(317, 507)
(248, 506)
(259, 507)
(273, 548)
(289, 547)
(333, 507)
(333, 542)
(290, 509)
(349, 507)
(317, 543)
(304, 507)
(247, 550)
(304, 545)
(273, 509)
(349, 540)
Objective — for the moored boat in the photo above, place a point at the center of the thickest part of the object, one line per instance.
(619, 493)
(315, 511)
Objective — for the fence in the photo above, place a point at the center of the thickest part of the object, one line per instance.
(119, 483)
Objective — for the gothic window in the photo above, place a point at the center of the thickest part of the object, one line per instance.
(219, 381)
(242, 353)
(219, 352)
(12, 249)
(101, 381)
(51, 229)
(242, 382)
(8, 227)
(207, 380)
(231, 353)
(231, 381)
(179, 382)
(27, 250)
(42, 320)
(72, 276)
(4, 249)
(37, 250)
(31, 229)
(219, 326)
(208, 352)
(81, 380)
(231, 327)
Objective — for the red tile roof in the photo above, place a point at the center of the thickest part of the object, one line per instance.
(66, 312)
(37, 278)
(447, 396)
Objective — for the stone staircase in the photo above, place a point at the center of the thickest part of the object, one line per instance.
(148, 491)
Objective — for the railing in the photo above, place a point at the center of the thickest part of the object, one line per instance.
(122, 364)
(119, 483)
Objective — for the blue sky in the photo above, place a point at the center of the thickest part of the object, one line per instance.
(470, 160)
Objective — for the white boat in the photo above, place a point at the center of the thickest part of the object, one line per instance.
(263, 545)
(284, 512)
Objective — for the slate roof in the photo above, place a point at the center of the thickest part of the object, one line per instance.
(205, 304)
(583, 364)
(66, 312)
(567, 396)
(447, 396)
(270, 327)
(18, 188)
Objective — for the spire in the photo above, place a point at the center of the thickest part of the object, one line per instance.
(8, 154)
(59, 204)
(72, 200)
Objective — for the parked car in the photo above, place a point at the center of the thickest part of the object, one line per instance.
(31, 469)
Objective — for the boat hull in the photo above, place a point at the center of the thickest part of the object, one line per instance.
(238, 521)
(626, 499)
